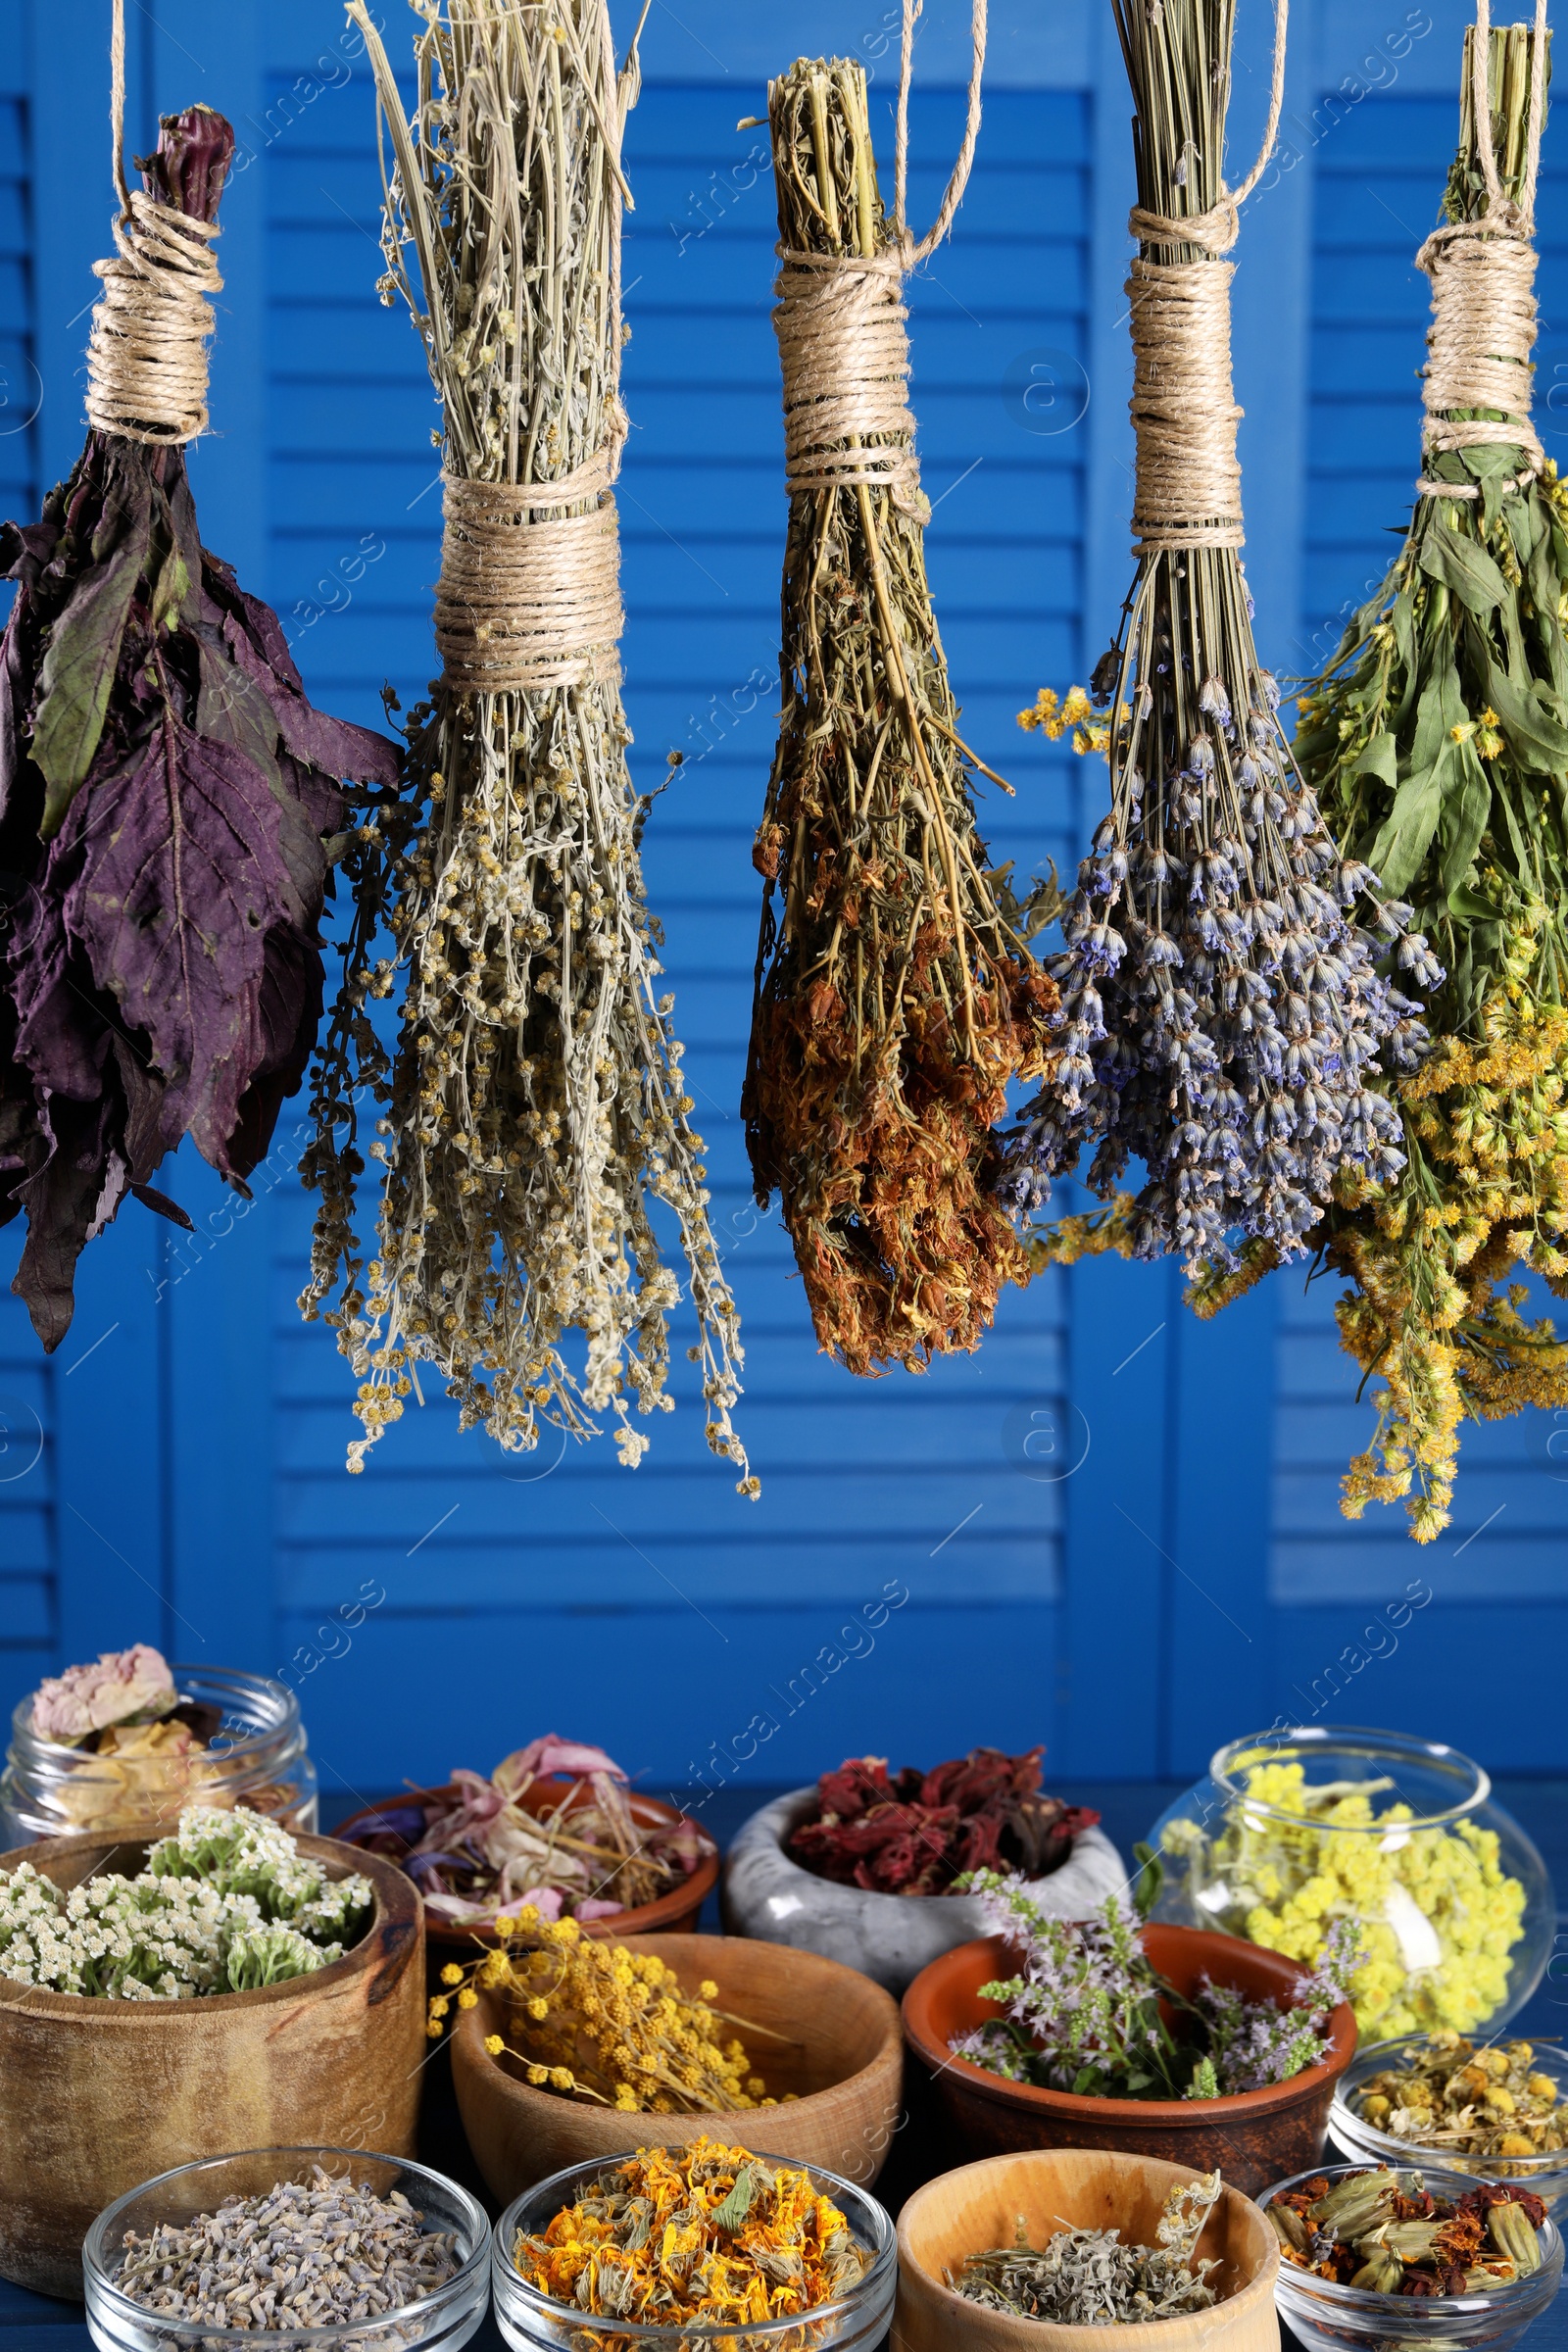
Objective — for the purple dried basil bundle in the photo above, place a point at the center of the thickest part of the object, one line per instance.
(168, 802)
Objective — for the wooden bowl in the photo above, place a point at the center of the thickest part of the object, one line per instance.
(676, 1913)
(841, 2055)
(98, 2096)
(966, 2212)
(1255, 2138)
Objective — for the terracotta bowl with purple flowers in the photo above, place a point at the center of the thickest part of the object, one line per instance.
(1253, 2137)
(556, 1825)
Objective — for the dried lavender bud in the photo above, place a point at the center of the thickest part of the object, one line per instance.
(306, 2254)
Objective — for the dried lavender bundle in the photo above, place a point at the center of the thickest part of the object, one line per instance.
(167, 795)
(896, 996)
(1225, 1011)
(535, 1100)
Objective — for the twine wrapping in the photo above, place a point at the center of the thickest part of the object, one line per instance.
(844, 349)
(529, 599)
(843, 328)
(1483, 277)
(1184, 412)
(147, 354)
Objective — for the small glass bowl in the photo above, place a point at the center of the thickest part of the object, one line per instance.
(1545, 2176)
(1327, 2318)
(440, 2322)
(531, 2321)
(258, 1756)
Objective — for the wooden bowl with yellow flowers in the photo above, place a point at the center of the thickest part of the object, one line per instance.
(563, 2040)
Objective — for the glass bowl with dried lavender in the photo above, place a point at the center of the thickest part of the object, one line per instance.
(321, 2249)
(1411, 2261)
(784, 2257)
(127, 1739)
(853, 1867)
(556, 1830)
(1497, 2111)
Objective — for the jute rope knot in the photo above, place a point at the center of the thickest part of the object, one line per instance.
(843, 328)
(1184, 412)
(147, 356)
(529, 596)
(1484, 313)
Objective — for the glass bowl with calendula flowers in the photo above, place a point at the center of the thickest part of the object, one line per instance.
(772, 2257)
(1295, 1829)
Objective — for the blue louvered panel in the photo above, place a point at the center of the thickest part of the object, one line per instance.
(480, 1555)
(29, 1550)
(1496, 1579)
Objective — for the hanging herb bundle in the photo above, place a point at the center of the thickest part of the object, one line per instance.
(1224, 1013)
(535, 1100)
(168, 795)
(896, 996)
(1437, 741)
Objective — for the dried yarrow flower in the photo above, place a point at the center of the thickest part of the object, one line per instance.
(533, 1106)
(895, 995)
(1224, 1011)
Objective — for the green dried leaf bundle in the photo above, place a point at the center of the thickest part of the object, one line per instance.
(1438, 743)
(895, 995)
(533, 1105)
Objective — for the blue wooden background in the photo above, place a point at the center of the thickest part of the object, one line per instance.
(1113, 1530)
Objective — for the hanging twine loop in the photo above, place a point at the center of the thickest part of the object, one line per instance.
(842, 327)
(147, 354)
(1483, 277)
(1184, 412)
(529, 596)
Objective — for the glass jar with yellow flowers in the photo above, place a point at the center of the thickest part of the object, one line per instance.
(1296, 1829)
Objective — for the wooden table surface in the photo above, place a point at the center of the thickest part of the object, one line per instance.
(36, 2323)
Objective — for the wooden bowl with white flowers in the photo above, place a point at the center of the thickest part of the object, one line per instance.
(98, 2096)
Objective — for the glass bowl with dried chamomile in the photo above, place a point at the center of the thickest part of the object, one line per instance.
(1410, 2260)
(1498, 2110)
(775, 2257)
(314, 2249)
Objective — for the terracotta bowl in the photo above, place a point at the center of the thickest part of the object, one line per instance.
(840, 2054)
(1255, 2138)
(674, 1913)
(966, 2212)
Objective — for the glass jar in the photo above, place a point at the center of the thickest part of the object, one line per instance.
(254, 1754)
(1293, 1830)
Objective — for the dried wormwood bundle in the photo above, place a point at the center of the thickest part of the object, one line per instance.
(1438, 742)
(536, 1098)
(895, 995)
(1224, 1011)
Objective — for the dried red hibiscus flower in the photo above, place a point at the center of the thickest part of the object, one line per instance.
(915, 1833)
(168, 798)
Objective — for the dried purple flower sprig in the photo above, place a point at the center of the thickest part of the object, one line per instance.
(1223, 1011)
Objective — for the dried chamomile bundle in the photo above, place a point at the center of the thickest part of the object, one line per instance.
(896, 996)
(1224, 1011)
(534, 1103)
(169, 799)
(1438, 743)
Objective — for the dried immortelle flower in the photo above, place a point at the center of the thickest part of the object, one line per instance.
(534, 1102)
(1438, 742)
(1224, 1011)
(896, 996)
